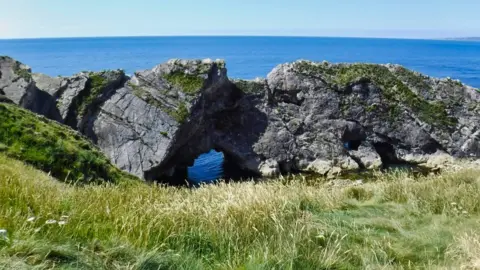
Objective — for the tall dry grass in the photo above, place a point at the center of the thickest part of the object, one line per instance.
(391, 222)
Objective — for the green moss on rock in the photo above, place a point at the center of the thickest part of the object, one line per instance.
(371, 108)
(22, 72)
(412, 78)
(97, 85)
(144, 95)
(220, 64)
(393, 88)
(250, 87)
(188, 83)
(53, 148)
(180, 114)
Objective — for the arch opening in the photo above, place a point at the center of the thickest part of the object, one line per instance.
(209, 168)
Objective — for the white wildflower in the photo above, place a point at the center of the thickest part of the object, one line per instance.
(3, 234)
(64, 217)
(358, 182)
(453, 203)
(62, 223)
(31, 219)
(51, 221)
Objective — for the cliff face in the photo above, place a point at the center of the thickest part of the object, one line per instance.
(331, 117)
(304, 116)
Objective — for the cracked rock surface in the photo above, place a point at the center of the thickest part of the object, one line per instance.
(303, 117)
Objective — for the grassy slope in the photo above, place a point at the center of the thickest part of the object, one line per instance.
(52, 147)
(392, 223)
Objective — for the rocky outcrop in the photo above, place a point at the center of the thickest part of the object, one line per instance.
(17, 85)
(162, 118)
(78, 97)
(334, 117)
(304, 117)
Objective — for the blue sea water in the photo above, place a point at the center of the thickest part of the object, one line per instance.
(247, 58)
(207, 168)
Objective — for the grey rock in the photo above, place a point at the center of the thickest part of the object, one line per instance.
(163, 118)
(15, 80)
(134, 134)
(79, 97)
(17, 85)
(304, 117)
(4, 99)
(314, 109)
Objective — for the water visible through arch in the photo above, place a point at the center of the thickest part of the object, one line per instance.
(207, 168)
(215, 165)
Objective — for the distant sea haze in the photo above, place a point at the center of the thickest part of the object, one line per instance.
(247, 57)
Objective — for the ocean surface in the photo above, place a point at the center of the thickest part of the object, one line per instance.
(246, 57)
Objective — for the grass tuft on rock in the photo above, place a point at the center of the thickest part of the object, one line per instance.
(188, 83)
(53, 148)
(22, 71)
(180, 114)
(97, 84)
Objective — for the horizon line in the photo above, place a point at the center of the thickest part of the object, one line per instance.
(236, 35)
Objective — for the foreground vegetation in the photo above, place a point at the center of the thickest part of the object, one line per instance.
(394, 222)
(53, 148)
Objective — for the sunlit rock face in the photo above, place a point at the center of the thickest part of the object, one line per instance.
(303, 117)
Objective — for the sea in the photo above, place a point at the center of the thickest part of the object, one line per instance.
(246, 58)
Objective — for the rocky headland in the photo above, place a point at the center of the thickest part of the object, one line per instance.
(303, 117)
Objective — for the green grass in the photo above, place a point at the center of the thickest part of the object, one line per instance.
(393, 222)
(97, 85)
(52, 147)
(413, 79)
(188, 83)
(180, 114)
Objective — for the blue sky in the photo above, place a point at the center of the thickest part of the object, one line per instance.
(365, 18)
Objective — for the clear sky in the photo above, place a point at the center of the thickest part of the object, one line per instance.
(365, 18)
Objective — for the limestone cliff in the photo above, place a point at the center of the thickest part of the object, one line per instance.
(304, 116)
